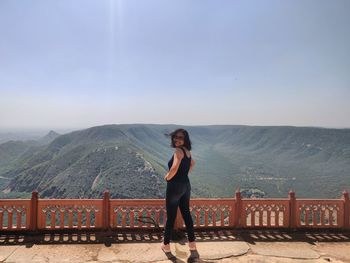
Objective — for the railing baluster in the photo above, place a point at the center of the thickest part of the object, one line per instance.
(123, 217)
(276, 218)
(148, 215)
(62, 218)
(132, 218)
(79, 218)
(238, 215)
(222, 217)
(314, 217)
(307, 217)
(43, 216)
(281, 218)
(53, 220)
(213, 216)
(198, 223)
(205, 217)
(140, 223)
(19, 219)
(70, 218)
(293, 211)
(88, 218)
(246, 218)
(115, 212)
(9, 218)
(331, 217)
(252, 218)
(335, 217)
(268, 217)
(157, 216)
(322, 217)
(346, 209)
(1, 219)
(261, 217)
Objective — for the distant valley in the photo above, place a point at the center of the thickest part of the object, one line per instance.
(130, 160)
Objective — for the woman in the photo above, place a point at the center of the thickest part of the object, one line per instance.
(179, 188)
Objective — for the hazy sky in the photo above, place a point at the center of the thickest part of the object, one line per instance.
(82, 63)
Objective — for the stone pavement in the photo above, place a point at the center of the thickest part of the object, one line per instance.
(213, 246)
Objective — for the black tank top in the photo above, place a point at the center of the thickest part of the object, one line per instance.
(182, 173)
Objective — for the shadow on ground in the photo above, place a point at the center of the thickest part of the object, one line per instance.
(110, 237)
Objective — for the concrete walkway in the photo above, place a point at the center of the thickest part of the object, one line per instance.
(213, 246)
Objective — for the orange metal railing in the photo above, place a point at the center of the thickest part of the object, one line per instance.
(52, 214)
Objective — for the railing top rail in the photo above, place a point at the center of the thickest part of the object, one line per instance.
(14, 199)
(213, 199)
(137, 202)
(70, 202)
(139, 199)
(319, 200)
(65, 199)
(262, 201)
(162, 199)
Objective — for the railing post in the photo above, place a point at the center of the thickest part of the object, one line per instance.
(237, 220)
(33, 224)
(106, 211)
(292, 210)
(346, 209)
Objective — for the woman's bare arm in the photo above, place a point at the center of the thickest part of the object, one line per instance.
(192, 164)
(178, 155)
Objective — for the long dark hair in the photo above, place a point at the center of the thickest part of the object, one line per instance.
(187, 141)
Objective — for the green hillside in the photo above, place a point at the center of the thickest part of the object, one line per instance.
(131, 160)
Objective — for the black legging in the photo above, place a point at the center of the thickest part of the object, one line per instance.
(178, 194)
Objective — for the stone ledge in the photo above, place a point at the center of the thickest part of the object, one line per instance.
(221, 246)
(210, 252)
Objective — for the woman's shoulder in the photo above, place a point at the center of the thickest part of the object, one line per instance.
(184, 150)
(178, 150)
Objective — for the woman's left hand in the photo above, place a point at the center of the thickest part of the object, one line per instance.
(166, 177)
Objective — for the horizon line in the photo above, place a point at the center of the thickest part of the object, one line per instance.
(37, 129)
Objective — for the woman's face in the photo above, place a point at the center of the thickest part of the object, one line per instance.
(179, 139)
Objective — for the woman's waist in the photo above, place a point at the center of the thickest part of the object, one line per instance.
(179, 179)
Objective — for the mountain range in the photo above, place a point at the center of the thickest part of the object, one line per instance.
(130, 160)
